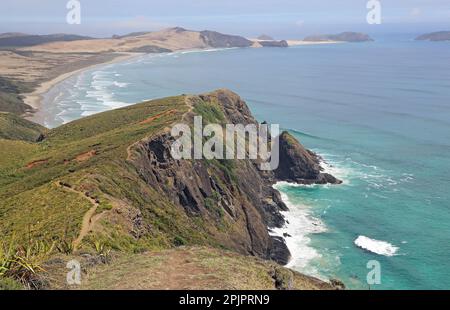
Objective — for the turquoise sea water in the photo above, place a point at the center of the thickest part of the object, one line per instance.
(379, 114)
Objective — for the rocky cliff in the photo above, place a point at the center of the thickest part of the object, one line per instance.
(108, 181)
(273, 43)
(244, 193)
(219, 40)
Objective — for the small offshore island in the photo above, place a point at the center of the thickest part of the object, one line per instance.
(435, 36)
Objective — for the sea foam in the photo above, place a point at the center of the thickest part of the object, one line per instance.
(300, 223)
(376, 246)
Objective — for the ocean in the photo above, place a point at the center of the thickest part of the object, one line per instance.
(379, 115)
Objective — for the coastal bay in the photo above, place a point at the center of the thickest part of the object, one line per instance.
(339, 118)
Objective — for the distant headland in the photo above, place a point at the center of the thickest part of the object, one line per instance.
(435, 36)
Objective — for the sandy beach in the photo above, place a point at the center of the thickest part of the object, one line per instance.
(34, 99)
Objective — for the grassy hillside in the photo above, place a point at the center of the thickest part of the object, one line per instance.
(21, 40)
(87, 188)
(10, 99)
(52, 181)
(13, 127)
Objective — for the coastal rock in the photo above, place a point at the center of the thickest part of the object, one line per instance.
(220, 40)
(279, 251)
(282, 43)
(337, 284)
(299, 165)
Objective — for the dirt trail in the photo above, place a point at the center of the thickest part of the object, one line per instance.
(89, 218)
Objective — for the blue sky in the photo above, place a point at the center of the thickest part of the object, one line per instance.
(280, 18)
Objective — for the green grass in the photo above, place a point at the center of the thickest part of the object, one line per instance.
(13, 127)
(32, 174)
(51, 210)
(10, 99)
(47, 188)
(211, 112)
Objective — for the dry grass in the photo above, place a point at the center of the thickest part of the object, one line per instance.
(187, 268)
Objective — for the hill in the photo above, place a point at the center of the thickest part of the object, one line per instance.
(16, 40)
(173, 39)
(107, 183)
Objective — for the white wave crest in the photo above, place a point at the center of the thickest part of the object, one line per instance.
(376, 246)
(300, 224)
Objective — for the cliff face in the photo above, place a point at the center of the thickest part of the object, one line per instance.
(219, 40)
(205, 187)
(299, 165)
(273, 43)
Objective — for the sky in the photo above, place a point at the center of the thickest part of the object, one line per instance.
(278, 18)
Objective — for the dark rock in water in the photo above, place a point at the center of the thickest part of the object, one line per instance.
(299, 165)
(279, 251)
(337, 284)
(286, 235)
(282, 43)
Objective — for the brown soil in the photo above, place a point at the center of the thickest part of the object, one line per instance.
(155, 117)
(36, 163)
(85, 156)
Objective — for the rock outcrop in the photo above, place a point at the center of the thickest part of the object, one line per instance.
(220, 40)
(236, 190)
(299, 165)
(282, 43)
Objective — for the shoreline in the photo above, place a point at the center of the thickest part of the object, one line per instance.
(35, 98)
(297, 231)
(302, 224)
